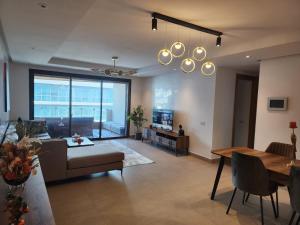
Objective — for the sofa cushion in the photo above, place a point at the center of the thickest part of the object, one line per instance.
(81, 157)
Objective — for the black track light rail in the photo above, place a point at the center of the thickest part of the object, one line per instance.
(156, 15)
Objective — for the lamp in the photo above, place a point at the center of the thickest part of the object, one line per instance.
(208, 68)
(293, 125)
(177, 49)
(164, 56)
(199, 53)
(188, 65)
(154, 23)
(219, 41)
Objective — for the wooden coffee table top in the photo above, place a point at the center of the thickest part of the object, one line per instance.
(85, 142)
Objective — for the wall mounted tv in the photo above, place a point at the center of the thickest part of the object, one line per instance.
(163, 118)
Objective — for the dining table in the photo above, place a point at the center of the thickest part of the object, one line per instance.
(278, 166)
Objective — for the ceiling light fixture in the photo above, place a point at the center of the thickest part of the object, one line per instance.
(219, 41)
(248, 56)
(154, 23)
(164, 57)
(208, 68)
(177, 49)
(188, 65)
(43, 5)
(199, 53)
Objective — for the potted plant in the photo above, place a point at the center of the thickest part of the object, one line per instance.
(137, 117)
(18, 161)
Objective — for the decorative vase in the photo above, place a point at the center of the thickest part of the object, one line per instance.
(16, 182)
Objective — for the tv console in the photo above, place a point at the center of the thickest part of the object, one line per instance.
(168, 139)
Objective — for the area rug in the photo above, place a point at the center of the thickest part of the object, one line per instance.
(132, 158)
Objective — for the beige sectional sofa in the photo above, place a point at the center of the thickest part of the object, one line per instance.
(59, 162)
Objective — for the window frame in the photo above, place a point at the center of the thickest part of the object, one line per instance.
(70, 76)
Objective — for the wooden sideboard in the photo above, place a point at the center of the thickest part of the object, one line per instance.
(36, 196)
(168, 139)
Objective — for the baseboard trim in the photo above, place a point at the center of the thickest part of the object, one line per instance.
(204, 158)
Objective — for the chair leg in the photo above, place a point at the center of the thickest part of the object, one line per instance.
(273, 206)
(231, 200)
(244, 198)
(292, 218)
(121, 170)
(261, 210)
(298, 220)
(277, 205)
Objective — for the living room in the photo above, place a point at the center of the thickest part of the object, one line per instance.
(131, 131)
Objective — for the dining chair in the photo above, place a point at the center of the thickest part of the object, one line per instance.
(278, 148)
(294, 192)
(282, 149)
(250, 176)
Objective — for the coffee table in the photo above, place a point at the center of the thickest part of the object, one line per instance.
(85, 142)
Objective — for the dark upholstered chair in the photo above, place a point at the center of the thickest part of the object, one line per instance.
(249, 175)
(294, 191)
(282, 149)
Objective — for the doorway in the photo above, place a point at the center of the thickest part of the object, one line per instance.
(245, 105)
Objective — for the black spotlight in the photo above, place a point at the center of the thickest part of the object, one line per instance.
(154, 23)
(219, 40)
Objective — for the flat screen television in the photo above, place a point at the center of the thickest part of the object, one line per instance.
(163, 118)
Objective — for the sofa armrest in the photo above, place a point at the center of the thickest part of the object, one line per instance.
(53, 159)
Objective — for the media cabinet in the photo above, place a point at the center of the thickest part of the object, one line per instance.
(168, 139)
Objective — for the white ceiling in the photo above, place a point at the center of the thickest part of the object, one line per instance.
(94, 30)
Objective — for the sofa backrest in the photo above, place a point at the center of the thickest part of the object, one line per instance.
(53, 159)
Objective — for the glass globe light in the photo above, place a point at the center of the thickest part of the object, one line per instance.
(164, 56)
(199, 53)
(188, 65)
(177, 49)
(208, 68)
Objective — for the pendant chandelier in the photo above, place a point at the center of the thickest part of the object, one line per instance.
(178, 49)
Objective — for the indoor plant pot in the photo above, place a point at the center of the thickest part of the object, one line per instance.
(16, 182)
(138, 136)
(137, 117)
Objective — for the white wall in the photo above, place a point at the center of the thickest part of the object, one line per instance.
(192, 98)
(278, 77)
(19, 84)
(224, 108)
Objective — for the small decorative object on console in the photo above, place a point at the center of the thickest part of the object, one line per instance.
(293, 126)
(181, 131)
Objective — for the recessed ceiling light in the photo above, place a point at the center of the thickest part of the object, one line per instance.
(43, 5)
(248, 56)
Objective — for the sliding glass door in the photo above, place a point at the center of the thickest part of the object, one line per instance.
(114, 109)
(52, 103)
(90, 106)
(86, 107)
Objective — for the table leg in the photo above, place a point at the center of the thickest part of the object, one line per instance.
(217, 179)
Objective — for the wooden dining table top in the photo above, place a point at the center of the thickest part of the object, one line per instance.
(274, 163)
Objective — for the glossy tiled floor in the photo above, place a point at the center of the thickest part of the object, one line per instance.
(172, 191)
